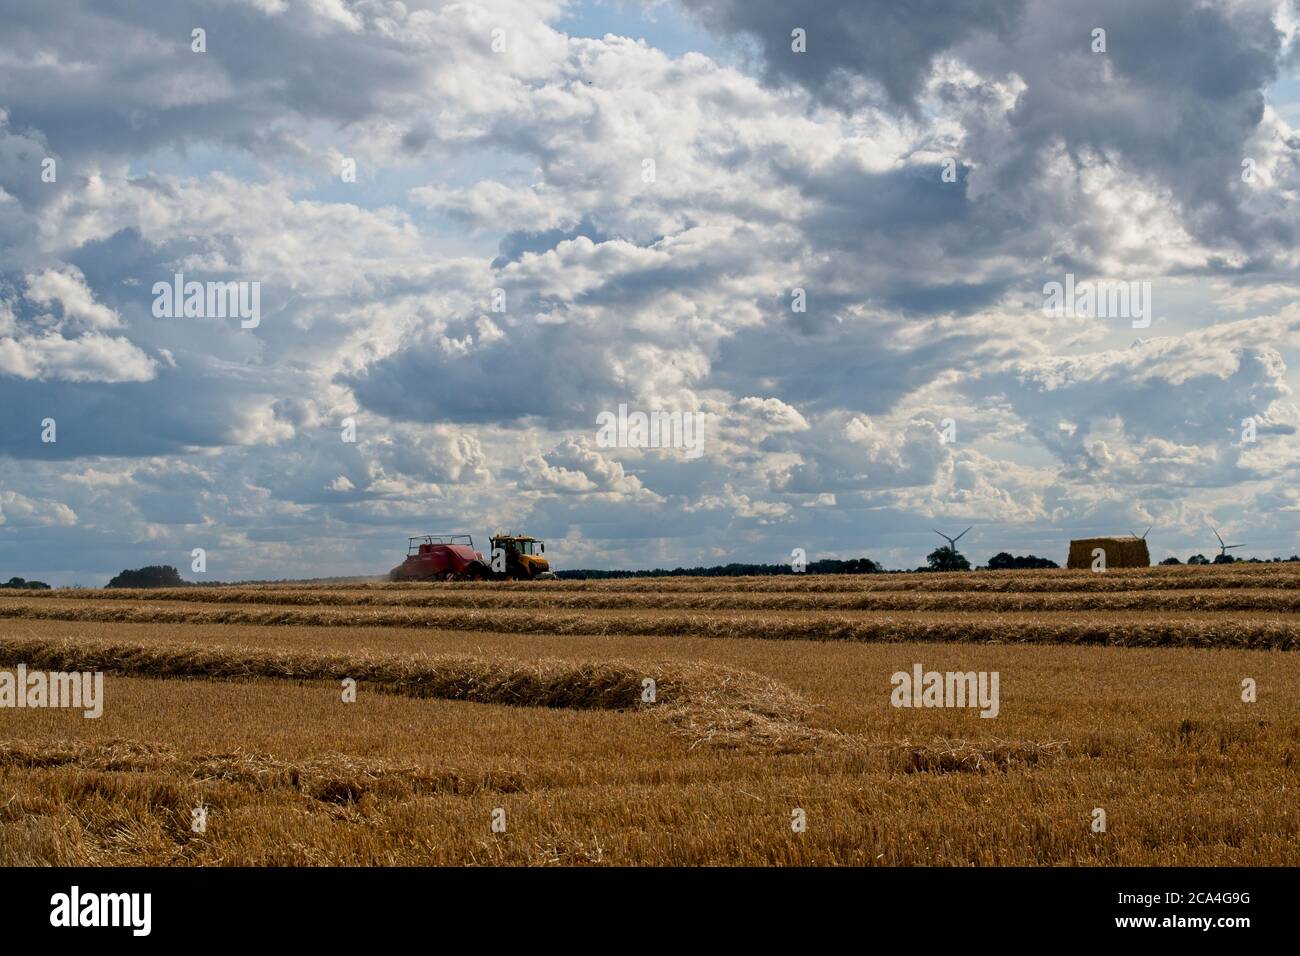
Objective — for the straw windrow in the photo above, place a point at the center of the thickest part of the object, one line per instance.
(1280, 631)
(707, 703)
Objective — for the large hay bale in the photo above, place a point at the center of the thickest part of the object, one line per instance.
(1127, 552)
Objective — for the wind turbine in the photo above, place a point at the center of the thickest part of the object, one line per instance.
(952, 542)
(1224, 548)
(1144, 534)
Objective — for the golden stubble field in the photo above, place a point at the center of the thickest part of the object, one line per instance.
(523, 704)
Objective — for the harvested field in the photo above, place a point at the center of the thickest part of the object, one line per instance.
(769, 695)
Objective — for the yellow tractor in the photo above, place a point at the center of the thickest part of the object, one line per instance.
(522, 555)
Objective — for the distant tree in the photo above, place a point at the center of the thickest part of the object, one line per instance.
(1198, 559)
(1005, 561)
(154, 576)
(1171, 560)
(947, 559)
(20, 584)
(851, 566)
(1224, 559)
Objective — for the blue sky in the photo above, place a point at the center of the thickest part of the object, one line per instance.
(520, 172)
(664, 26)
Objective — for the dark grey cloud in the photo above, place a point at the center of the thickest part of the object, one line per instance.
(515, 244)
(553, 373)
(126, 81)
(1175, 97)
(890, 43)
(172, 414)
(856, 364)
(1177, 94)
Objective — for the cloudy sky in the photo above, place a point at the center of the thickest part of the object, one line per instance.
(561, 207)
